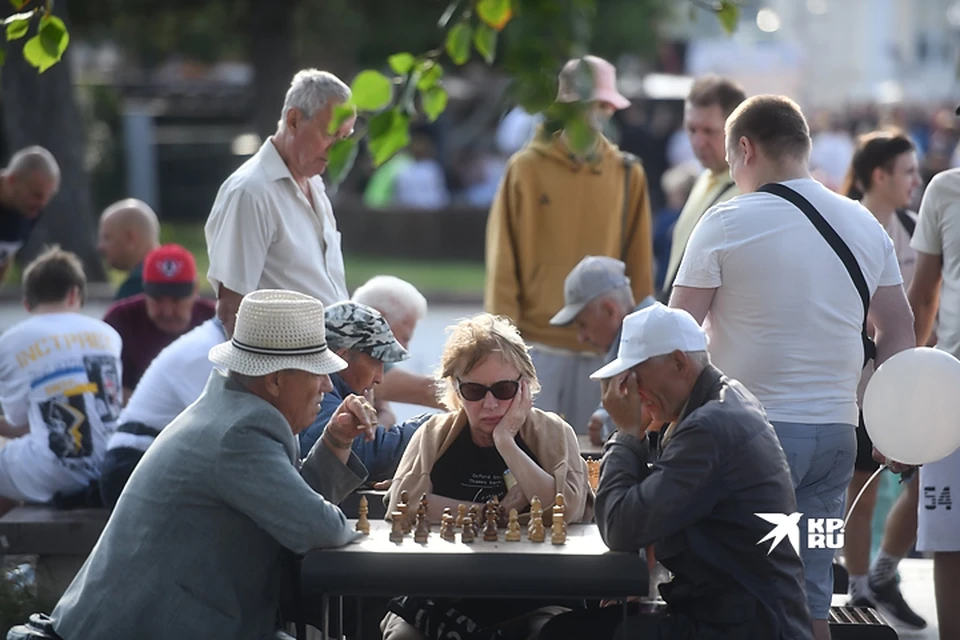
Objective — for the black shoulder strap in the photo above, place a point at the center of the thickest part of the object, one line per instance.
(836, 243)
(628, 160)
(908, 223)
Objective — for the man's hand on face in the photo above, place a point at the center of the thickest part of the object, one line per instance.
(595, 430)
(621, 399)
(355, 416)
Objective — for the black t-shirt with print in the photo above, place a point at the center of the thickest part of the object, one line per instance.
(471, 473)
(14, 232)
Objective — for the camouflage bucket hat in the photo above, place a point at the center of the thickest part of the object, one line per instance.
(351, 325)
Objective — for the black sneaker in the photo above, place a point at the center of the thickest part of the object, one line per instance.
(889, 601)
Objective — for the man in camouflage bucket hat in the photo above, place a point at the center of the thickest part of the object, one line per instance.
(361, 336)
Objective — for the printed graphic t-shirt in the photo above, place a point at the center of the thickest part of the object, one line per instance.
(60, 373)
(471, 473)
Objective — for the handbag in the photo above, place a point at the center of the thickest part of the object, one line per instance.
(840, 248)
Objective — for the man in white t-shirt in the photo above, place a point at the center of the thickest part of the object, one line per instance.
(60, 387)
(936, 284)
(173, 381)
(784, 316)
(272, 224)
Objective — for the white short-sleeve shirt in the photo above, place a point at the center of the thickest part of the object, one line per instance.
(263, 233)
(60, 374)
(786, 318)
(938, 233)
(172, 382)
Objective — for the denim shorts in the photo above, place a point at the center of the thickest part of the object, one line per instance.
(821, 458)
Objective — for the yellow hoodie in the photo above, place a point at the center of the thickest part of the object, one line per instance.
(551, 210)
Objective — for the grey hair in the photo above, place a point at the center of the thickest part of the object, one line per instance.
(621, 296)
(311, 90)
(31, 159)
(392, 297)
(700, 358)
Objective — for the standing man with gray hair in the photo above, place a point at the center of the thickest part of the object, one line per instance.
(272, 224)
(27, 184)
(597, 297)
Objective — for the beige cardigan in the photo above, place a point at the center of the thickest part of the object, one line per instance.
(549, 438)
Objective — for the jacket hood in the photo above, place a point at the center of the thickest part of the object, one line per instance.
(554, 147)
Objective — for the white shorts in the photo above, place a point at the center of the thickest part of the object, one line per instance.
(26, 478)
(938, 526)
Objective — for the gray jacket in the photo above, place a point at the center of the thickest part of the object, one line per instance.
(696, 498)
(192, 549)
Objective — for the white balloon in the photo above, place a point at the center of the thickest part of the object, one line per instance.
(911, 406)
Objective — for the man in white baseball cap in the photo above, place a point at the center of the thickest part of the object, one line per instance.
(695, 495)
(192, 548)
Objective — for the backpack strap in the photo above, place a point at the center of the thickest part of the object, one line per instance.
(908, 223)
(628, 160)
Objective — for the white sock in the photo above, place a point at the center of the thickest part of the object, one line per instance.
(857, 585)
(884, 567)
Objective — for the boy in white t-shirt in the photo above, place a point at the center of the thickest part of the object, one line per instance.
(936, 286)
(59, 386)
(783, 315)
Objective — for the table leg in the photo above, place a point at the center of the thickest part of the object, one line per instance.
(325, 608)
(341, 631)
(359, 618)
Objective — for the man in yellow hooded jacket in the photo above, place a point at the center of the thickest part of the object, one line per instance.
(554, 207)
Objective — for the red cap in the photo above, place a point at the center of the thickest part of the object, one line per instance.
(169, 270)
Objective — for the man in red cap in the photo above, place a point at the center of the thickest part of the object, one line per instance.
(167, 308)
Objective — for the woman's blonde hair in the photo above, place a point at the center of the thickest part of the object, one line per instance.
(473, 339)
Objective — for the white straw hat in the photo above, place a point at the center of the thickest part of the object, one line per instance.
(278, 330)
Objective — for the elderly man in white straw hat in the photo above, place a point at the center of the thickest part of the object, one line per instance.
(192, 549)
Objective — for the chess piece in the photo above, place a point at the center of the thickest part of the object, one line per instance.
(447, 531)
(402, 507)
(513, 527)
(593, 473)
(535, 532)
(422, 532)
(475, 519)
(424, 502)
(447, 511)
(396, 534)
(558, 534)
(468, 535)
(490, 533)
(560, 506)
(363, 525)
(461, 514)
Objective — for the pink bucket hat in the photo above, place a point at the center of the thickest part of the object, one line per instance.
(604, 82)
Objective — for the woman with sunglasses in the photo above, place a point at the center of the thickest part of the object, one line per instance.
(491, 444)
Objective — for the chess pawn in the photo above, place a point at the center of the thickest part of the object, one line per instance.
(446, 512)
(363, 525)
(513, 527)
(461, 514)
(468, 535)
(536, 513)
(424, 502)
(403, 506)
(560, 509)
(536, 532)
(422, 513)
(447, 531)
(396, 534)
(475, 519)
(490, 533)
(422, 532)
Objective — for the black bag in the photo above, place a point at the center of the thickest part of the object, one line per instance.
(440, 621)
(39, 627)
(840, 248)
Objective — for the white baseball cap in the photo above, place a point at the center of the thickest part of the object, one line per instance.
(653, 331)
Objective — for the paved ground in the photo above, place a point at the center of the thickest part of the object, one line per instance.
(427, 344)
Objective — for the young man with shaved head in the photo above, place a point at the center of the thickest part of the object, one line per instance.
(27, 185)
(129, 230)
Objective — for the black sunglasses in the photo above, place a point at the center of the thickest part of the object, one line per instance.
(474, 391)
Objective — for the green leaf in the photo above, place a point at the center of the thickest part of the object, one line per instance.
(485, 41)
(35, 53)
(434, 102)
(580, 134)
(496, 13)
(19, 4)
(401, 63)
(372, 90)
(53, 36)
(341, 113)
(430, 75)
(340, 160)
(458, 43)
(389, 132)
(17, 29)
(3, 57)
(728, 14)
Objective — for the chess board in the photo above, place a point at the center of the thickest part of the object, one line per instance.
(372, 565)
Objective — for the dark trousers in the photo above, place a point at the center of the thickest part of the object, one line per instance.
(115, 470)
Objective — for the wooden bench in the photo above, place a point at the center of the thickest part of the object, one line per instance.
(62, 540)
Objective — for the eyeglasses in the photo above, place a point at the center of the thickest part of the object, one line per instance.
(474, 391)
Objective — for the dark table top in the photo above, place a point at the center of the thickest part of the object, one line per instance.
(373, 566)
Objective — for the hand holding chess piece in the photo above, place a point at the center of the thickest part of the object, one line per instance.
(354, 417)
(363, 525)
(513, 527)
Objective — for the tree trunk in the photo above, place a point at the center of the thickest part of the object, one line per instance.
(42, 109)
(271, 37)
